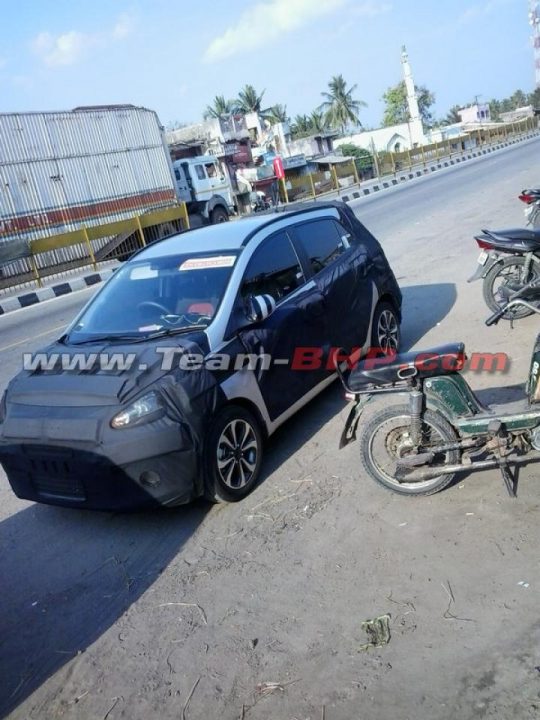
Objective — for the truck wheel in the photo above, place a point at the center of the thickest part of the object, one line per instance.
(218, 215)
(232, 455)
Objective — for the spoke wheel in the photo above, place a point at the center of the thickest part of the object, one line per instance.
(508, 276)
(233, 454)
(386, 439)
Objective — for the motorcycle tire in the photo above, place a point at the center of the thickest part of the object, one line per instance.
(504, 269)
(391, 427)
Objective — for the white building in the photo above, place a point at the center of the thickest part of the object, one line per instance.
(395, 138)
(477, 113)
(388, 139)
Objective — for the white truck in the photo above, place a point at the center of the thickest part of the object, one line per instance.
(206, 190)
(61, 172)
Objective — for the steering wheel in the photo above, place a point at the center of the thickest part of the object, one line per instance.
(154, 305)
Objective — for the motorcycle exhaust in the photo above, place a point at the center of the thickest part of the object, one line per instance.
(411, 474)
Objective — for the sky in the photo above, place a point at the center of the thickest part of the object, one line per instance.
(174, 57)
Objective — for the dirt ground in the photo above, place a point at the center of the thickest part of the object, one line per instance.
(255, 610)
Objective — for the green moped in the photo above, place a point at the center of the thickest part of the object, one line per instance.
(442, 428)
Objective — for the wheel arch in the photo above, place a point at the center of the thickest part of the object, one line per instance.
(250, 407)
(389, 298)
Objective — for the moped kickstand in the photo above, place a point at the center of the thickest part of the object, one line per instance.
(497, 429)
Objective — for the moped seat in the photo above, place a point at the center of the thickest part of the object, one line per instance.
(390, 369)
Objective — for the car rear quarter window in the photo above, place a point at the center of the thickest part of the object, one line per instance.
(273, 270)
(321, 241)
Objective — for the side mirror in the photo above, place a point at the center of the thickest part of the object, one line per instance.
(259, 307)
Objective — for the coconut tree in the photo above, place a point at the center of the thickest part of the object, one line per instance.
(339, 106)
(249, 100)
(300, 125)
(452, 116)
(277, 114)
(219, 108)
(317, 122)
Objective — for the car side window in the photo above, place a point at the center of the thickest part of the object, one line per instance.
(200, 172)
(273, 270)
(321, 241)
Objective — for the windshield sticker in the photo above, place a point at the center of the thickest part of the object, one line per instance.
(150, 328)
(203, 263)
(143, 272)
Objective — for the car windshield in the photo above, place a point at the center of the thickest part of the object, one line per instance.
(164, 295)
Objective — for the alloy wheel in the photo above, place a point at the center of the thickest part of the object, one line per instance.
(237, 454)
(388, 332)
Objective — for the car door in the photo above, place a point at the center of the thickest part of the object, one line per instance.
(337, 266)
(293, 338)
(200, 182)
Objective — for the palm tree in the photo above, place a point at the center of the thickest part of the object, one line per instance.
(249, 100)
(277, 114)
(219, 108)
(339, 106)
(317, 122)
(300, 125)
(452, 116)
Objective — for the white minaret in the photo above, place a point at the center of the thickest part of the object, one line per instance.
(416, 128)
(534, 22)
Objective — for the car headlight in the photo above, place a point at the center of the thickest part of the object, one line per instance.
(147, 408)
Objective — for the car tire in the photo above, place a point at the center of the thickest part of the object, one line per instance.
(232, 455)
(219, 215)
(385, 329)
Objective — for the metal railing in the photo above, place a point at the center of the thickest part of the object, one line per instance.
(88, 246)
(343, 175)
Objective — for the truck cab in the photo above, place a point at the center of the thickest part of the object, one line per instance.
(202, 185)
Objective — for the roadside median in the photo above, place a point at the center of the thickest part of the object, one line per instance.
(80, 282)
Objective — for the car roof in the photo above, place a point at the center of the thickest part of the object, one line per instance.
(230, 236)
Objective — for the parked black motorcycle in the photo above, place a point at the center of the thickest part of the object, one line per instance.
(509, 259)
(442, 429)
(531, 198)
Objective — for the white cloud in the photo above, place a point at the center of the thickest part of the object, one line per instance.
(267, 21)
(64, 49)
(479, 10)
(366, 9)
(124, 26)
(70, 47)
(370, 8)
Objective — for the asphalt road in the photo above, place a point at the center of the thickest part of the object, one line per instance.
(191, 613)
